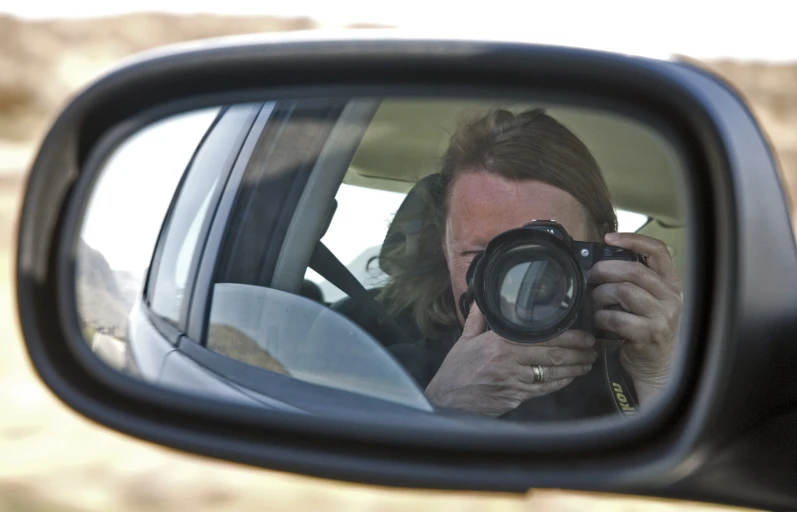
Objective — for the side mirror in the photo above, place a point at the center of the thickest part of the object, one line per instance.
(254, 250)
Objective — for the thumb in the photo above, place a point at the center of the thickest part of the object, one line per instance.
(475, 324)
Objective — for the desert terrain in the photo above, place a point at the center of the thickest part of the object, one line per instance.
(55, 460)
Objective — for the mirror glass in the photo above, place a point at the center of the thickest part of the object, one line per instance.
(330, 257)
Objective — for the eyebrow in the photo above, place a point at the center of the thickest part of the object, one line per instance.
(469, 246)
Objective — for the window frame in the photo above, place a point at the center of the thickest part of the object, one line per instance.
(192, 344)
(169, 329)
(263, 139)
(199, 310)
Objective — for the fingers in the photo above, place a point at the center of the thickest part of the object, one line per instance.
(530, 355)
(572, 347)
(545, 388)
(616, 271)
(628, 326)
(630, 297)
(552, 373)
(523, 391)
(572, 338)
(475, 324)
(656, 252)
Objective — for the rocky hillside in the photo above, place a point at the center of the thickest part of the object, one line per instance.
(43, 62)
(771, 90)
(105, 296)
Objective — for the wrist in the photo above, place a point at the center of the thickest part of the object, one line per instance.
(648, 379)
(648, 389)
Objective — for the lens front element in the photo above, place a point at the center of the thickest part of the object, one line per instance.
(529, 283)
(536, 289)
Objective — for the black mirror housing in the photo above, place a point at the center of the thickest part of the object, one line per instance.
(722, 434)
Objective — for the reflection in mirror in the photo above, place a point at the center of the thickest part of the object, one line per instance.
(536, 291)
(415, 258)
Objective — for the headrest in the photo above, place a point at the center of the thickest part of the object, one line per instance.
(332, 209)
(409, 219)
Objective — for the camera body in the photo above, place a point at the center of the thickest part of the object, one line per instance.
(531, 282)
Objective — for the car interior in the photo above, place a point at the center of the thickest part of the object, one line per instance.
(391, 145)
(405, 138)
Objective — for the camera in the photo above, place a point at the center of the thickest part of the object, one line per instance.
(531, 282)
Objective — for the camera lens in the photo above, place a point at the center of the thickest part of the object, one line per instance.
(535, 290)
(529, 282)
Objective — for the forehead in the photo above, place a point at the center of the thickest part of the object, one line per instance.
(481, 205)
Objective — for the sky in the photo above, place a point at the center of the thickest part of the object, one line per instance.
(760, 30)
(134, 190)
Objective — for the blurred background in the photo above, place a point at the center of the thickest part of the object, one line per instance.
(51, 459)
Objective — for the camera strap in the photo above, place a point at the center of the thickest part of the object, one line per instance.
(623, 395)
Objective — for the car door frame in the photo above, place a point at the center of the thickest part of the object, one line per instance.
(155, 336)
(174, 331)
(275, 390)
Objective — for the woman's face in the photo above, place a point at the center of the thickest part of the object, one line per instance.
(483, 205)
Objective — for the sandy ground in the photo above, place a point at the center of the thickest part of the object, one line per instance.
(51, 459)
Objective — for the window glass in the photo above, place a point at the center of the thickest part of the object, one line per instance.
(356, 233)
(285, 331)
(182, 236)
(191, 237)
(169, 287)
(630, 222)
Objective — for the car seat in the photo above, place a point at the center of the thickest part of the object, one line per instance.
(403, 229)
(312, 291)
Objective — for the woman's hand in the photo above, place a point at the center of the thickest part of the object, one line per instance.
(486, 374)
(651, 297)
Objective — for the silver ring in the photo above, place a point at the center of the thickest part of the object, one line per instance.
(539, 373)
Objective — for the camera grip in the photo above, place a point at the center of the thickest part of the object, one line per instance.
(617, 253)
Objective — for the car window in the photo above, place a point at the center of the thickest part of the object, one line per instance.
(284, 332)
(190, 211)
(125, 214)
(356, 233)
(166, 297)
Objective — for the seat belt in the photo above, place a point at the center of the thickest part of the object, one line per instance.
(330, 267)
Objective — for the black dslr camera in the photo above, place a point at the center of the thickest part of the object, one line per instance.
(531, 282)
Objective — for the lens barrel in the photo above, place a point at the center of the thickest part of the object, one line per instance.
(529, 283)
